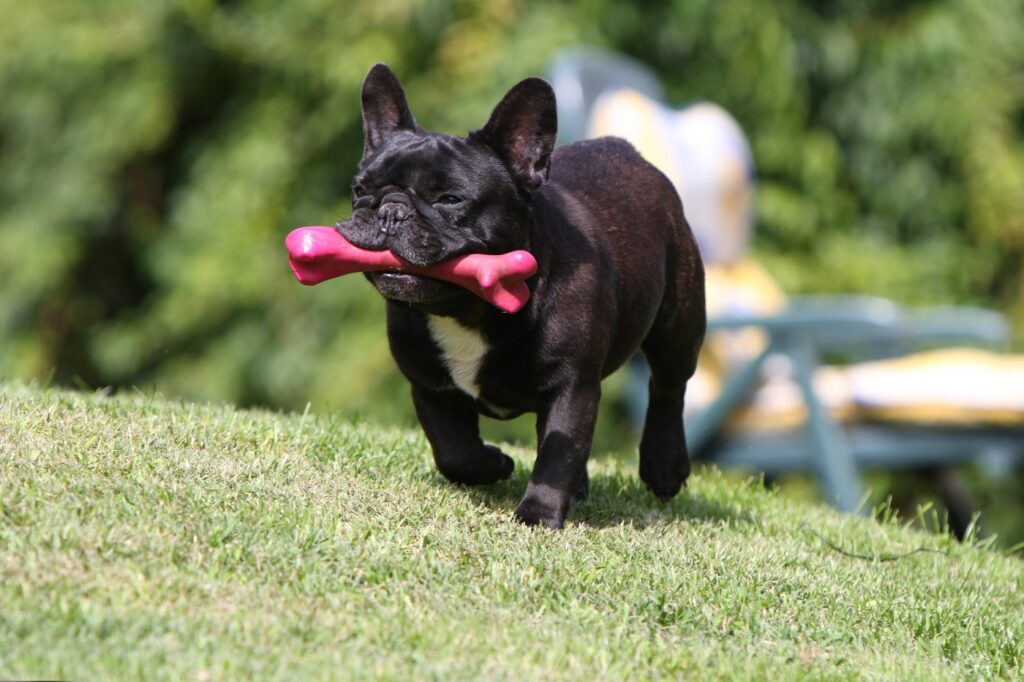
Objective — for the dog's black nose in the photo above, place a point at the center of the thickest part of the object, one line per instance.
(394, 210)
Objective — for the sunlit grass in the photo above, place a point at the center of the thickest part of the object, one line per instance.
(147, 539)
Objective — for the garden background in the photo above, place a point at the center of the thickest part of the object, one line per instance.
(153, 156)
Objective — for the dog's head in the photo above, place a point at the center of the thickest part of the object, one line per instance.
(428, 197)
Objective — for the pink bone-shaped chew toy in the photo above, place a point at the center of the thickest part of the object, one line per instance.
(320, 253)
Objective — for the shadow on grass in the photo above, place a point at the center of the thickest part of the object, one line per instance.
(614, 500)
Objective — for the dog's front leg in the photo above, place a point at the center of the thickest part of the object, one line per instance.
(452, 425)
(565, 431)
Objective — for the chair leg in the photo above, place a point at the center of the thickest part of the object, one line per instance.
(709, 423)
(836, 469)
(960, 505)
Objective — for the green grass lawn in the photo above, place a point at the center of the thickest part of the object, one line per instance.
(147, 539)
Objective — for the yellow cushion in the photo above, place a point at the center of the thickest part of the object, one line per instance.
(955, 386)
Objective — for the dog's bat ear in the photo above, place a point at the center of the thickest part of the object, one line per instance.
(522, 131)
(384, 107)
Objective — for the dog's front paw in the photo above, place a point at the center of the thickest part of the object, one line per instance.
(483, 467)
(498, 464)
(543, 505)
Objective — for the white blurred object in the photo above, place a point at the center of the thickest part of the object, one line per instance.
(703, 151)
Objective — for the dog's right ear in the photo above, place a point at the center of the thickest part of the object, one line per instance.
(384, 107)
(522, 131)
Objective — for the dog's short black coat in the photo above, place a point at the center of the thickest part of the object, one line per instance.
(618, 270)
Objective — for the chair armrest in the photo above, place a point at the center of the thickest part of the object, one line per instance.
(850, 321)
(820, 315)
(955, 324)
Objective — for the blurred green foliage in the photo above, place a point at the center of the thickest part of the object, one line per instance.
(154, 154)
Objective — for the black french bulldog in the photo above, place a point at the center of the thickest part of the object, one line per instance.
(618, 270)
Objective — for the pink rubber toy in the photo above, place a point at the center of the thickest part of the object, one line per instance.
(320, 253)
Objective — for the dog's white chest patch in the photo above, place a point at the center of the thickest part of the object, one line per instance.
(462, 350)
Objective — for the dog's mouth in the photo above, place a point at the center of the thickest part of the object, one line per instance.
(410, 288)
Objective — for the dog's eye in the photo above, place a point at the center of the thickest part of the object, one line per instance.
(358, 192)
(449, 199)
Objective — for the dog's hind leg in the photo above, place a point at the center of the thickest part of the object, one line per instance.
(671, 349)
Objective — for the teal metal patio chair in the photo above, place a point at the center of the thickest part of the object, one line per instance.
(766, 397)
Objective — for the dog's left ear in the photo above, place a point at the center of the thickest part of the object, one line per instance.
(522, 131)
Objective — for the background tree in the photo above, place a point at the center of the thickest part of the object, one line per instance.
(154, 154)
